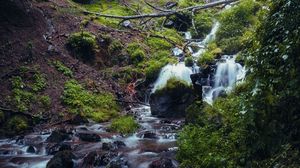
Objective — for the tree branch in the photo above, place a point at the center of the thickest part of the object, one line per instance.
(163, 14)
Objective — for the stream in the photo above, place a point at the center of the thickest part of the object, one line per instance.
(94, 146)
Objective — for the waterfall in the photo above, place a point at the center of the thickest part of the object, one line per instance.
(203, 44)
(227, 75)
(179, 71)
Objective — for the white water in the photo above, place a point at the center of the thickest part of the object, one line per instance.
(227, 75)
(179, 71)
(203, 44)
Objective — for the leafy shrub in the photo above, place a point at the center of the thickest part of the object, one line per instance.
(83, 45)
(124, 125)
(62, 68)
(234, 23)
(17, 124)
(99, 107)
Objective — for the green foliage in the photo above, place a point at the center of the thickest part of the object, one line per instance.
(257, 125)
(203, 22)
(209, 55)
(234, 23)
(99, 107)
(46, 101)
(83, 45)
(124, 125)
(217, 138)
(136, 53)
(24, 95)
(157, 44)
(39, 82)
(115, 46)
(62, 68)
(189, 62)
(17, 124)
(173, 84)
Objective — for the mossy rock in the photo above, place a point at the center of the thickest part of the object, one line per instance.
(172, 100)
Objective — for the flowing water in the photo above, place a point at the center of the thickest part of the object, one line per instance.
(156, 138)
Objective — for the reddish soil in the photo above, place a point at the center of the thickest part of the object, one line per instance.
(45, 27)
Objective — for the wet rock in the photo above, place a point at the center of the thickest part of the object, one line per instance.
(78, 120)
(52, 149)
(58, 136)
(150, 135)
(170, 5)
(91, 160)
(89, 137)
(106, 158)
(162, 163)
(119, 144)
(61, 159)
(171, 102)
(116, 163)
(30, 149)
(107, 146)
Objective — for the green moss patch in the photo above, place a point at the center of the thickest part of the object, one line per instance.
(97, 106)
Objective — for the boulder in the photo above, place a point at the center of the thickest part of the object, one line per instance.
(58, 136)
(52, 149)
(172, 100)
(89, 137)
(62, 159)
(162, 163)
(107, 146)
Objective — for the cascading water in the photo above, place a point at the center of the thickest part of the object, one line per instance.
(179, 71)
(227, 75)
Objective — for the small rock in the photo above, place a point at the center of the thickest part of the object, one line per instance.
(89, 137)
(150, 135)
(62, 159)
(30, 149)
(162, 163)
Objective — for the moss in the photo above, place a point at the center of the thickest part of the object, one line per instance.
(203, 22)
(234, 23)
(172, 85)
(97, 106)
(62, 68)
(46, 101)
(205, 59)
(157, 44)
(124, 125)
(189, 62)
(114, 47)
(17, 124)
(83, 45)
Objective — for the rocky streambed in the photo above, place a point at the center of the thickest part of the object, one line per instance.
(93, 145)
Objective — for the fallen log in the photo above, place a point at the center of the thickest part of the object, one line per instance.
(164, 13)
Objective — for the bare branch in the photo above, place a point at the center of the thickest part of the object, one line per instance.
(163, 14)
